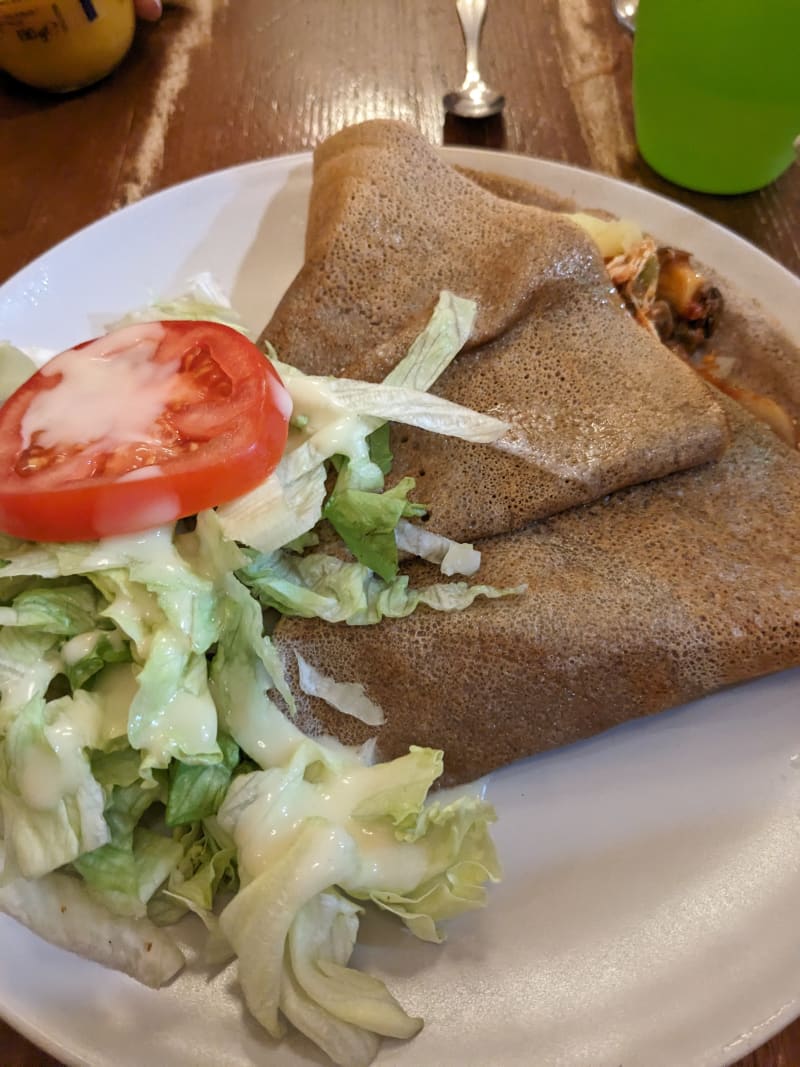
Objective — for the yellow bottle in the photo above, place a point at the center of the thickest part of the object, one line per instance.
(64, 44)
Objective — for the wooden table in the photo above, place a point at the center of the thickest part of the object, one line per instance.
(213, 85)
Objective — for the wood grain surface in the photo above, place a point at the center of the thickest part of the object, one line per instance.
(216, 84)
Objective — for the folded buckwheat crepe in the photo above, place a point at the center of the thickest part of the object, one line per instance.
(679, 582)
(595, 403)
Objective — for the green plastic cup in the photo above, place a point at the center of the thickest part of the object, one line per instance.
(716, 90)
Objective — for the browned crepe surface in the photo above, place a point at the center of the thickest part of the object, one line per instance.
(655, 596)
(594, 402)
(519, 191)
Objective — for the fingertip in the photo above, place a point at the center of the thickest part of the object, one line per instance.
(150, 10)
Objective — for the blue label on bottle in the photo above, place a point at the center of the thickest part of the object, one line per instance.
(88, 9)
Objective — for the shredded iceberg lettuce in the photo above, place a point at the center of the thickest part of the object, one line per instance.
(366, 828)
(147, 770)
(202, 300)
(367, 522)
(339, 420)
(348, 697)
(63, 911)
(317, 585)
(450, 556)
(15, 368)
(434, 350)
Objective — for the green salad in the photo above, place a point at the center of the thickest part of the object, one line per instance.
(149, 764)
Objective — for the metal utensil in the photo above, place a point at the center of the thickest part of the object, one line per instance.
(625, 10)
(474, 100)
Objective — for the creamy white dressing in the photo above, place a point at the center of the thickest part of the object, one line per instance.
(331, 428)
(45, 775)
(265, 734)
(189, 715)
(38, 777)
(266, 812)
(312, 402)
(387, 863)
(111, 395)
(187, 722)
(137, 614)
(115, 687)
(79, 722)
(281, 802)
(340, 437)
(148, 546)
(79, 647)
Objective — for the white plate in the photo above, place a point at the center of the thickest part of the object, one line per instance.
(648, 915)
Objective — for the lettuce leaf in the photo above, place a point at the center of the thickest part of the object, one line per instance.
(348, 697)
(65, 610)
(366, 522)
(28, 663)
(437, 346)
(280, 510)
(196, 791)
(462, 859)
(122, 870)
(15, 368)
(414, 408)
(321, 586)
(451, 557)
(89, 653)
(207, 865)
(41, 840)
(258, 919)
(59, 908)
(380, 452)
(118, 767)
(322, 824)
(202, 300)
(52, 806)
(173, 713)
(132, 609)
(339, 1008)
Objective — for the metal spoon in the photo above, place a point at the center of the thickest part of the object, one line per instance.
(625, 10)
(474, 100)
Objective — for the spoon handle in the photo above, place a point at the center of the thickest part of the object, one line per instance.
(625, 12)
(471, 14)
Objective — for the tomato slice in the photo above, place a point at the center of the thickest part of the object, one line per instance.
(144, 426)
